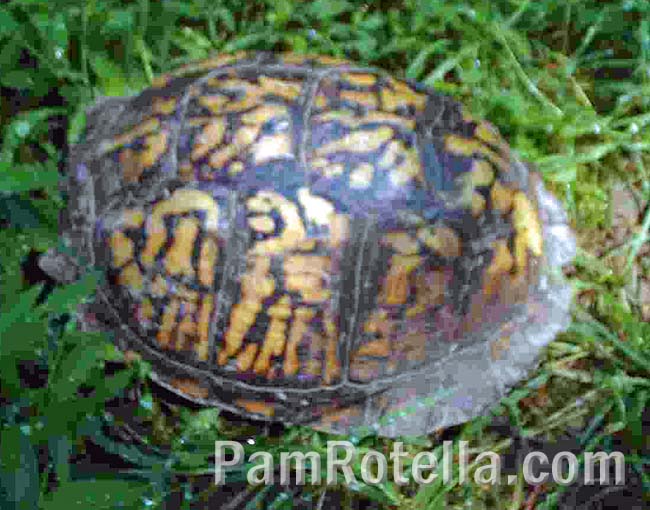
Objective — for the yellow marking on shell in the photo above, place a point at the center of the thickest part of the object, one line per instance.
(292, 233)
(246, 357)
(178, 260)
(168, 323)
(318, 210)
(147, 127)
(131, 167)
(469, 147)
(186, 294)
(502, 263)
(502, 197)
(396, 286)
(186, 171)
(161, 80)
(181, 201)
(186, 330)
(146, 309)
(360, 79)
(252, 95)
(211, 136)
(207, 261)
(304, 274)
(378, 116)
(264, 224)
(478, 204)
(527, 223)
(214, 103)
(121, 248)
(155, 146)
(332, 362)
(235, 168)
(402, 242)
(333, 170)
(299, 327)
(190, 387)
(246, 135)
(260, 203)
(402, 96)
(283, 88)
(200, 121)
(391, 152)
(443, 240)
(209, 63)
(275, 334)
(219, 158)
(256, 285)
(361, 176)
(159, 286)
(408, 170)
(339, 230)
(347, 118)
(256, 407)
(498, 347)
(429, 291)
(132, 218)
(482, 173)
(320, 101)
(264, 113)
(358, 141)
(130, 276)
(488, 133)
(521, 252)
(270, 147)
(367, 99)
(327, 168)
(435, 290)
(205, 311)
(162, 106)
(380, 347)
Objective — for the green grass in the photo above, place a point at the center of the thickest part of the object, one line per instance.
(568, 83)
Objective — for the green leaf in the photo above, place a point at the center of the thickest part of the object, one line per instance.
(77, 125)
(56, 31)
(110, 75)
(19, 180)
(120, 21)
(8, 24)
(60, 449)
(21, 307)
(24, 127)
(18, 470)
(17, 79)
(67, 298)
(98, 495)
(416, 68)
(75, 370)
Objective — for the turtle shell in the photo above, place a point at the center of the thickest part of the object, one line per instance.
(302, 239)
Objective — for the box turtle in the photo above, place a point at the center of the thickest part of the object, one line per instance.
(302, 239)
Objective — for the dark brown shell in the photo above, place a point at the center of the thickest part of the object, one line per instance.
(301, 239)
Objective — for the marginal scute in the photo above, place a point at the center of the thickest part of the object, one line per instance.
(190, 386)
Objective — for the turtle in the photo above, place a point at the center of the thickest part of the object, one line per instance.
(307, 240)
